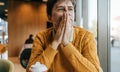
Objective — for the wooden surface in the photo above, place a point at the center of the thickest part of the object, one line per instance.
(17, 65)
(24, 18)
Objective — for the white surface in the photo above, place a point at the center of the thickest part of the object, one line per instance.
(4, 55)
(115, 59)
(38, 67)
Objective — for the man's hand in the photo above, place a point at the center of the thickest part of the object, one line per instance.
(67, 30)
(59, 34)
(63, 32)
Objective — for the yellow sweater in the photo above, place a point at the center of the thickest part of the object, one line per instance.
(78, 56)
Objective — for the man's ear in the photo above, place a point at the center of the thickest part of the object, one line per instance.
(49, 18)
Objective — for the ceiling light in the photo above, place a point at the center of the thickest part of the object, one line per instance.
(6, 10)
(27, 0)
(45, 0)
(2, 3)
(6, 14)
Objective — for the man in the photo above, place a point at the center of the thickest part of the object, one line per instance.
(64, 48)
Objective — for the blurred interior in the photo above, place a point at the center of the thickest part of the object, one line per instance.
(20, 18)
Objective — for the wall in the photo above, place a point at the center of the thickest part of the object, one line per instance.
(24, 18)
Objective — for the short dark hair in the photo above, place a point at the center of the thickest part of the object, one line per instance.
(51, 3)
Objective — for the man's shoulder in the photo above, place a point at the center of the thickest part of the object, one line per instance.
(81, 31)
(45, 32)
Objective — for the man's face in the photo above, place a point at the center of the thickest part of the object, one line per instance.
(59, 9)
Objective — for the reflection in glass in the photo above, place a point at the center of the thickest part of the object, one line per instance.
(115, 35)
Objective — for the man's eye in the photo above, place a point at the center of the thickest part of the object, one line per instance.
(71, 9)
(60, 9)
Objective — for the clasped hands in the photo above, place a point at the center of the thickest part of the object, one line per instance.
(63, 32)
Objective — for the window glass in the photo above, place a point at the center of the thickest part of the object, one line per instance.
(115, 35)
(3, 31)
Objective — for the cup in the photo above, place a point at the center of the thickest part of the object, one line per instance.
(38, 67)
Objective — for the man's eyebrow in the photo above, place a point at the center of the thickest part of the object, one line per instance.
(70, 6)
(59, 6)
(63, 6)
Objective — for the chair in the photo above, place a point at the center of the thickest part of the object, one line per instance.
(6, 66)
(24, 57)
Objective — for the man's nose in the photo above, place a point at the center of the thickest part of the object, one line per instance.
(67, 11)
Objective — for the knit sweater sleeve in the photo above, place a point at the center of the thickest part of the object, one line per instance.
(41, 54)
(87, 59)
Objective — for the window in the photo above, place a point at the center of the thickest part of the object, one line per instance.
(3, 31)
